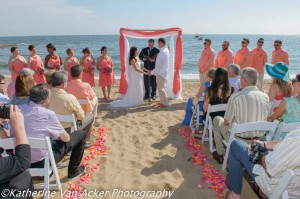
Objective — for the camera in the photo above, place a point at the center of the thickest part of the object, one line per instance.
(258, 152)
(4, 111)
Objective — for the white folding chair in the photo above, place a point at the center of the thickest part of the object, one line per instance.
(45, 144)
(68, 118)
(242, 128)
(198, 114)
(274, 104)
(87, 101)
(208, 123)
(283, 127)
(280, 191)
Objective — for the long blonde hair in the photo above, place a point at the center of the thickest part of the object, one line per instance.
(284, 87)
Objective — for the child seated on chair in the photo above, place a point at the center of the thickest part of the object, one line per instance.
(193, 102)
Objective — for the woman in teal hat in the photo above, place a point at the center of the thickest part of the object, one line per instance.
(281, 86)
(289, 107)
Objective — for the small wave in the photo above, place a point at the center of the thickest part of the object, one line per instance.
(24, 44)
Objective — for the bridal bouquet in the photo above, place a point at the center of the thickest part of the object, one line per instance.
(92, 70)
(40, 70)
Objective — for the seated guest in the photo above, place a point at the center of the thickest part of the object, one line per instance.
(218, 92)
(13, 174)
(289, 107)
(193, 102)
(234, 71)
(281, 86)
(3, 98)
(285, 155)
(23, 85)
(11, 87)
(247, 105)
(64, 103)
(48, 76)
(81, 90)
(41, 122)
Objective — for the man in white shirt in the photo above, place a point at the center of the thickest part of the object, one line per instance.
(161, 72)
(234, 71)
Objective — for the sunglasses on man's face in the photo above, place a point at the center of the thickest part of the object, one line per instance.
(204, 43)
(224, 45)
(276, 45)
(260, 42)
(243, 42)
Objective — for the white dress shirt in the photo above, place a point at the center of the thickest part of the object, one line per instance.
(162, 63)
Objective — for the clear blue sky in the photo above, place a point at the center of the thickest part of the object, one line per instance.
(80, 17)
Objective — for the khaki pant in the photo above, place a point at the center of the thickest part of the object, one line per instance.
(260, 81)
(220, 131)
(203, 78)
(161, 87)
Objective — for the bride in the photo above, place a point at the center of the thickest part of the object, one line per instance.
(135, 92)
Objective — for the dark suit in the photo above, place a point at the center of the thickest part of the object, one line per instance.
(149, 82)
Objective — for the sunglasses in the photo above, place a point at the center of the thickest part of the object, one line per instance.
(204, 43)
(2, 83)
(224, 45)
(276, 45)
(243, 42)
(261, 42)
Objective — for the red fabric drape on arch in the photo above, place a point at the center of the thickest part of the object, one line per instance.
(124, 32)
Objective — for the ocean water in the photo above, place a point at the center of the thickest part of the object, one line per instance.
(192, 48)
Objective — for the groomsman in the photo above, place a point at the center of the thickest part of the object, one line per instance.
(161, 72)
(148, 55)
(225, 56)
(243, 56)
(279, 55)
(206, 61)
(258, 61)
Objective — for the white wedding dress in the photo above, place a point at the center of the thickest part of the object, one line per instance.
(135, 91)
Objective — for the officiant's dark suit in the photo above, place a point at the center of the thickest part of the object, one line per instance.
(149, 81)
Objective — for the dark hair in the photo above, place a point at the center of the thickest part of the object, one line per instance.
(278, 41)
(23, 85)
(51, 46)
(132, 53)
(69, 50)
(12, 49)
(76, 70)
(103, 48)
(2, 77)
(247, 40)
(261, 40)
(151, 41)
(58, 78)
(221, 78)
(298, 78)
(162, 40)
(208, 40)
(86, 50)
(31, 47)
(39, 93)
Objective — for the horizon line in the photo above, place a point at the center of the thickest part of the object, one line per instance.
(119, 34)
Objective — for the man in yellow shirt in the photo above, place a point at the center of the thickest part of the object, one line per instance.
(206, 61)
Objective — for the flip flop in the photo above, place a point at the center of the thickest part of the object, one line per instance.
(161, 106)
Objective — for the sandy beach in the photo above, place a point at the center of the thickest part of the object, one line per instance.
(146, 153)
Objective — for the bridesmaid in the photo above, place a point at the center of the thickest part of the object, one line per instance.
(106, 72)
(52, 60)
(16, 63)
(70, 62)
(88, 63)
(36, 64)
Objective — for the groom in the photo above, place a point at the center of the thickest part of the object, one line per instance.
(161, 72)
(148, 55)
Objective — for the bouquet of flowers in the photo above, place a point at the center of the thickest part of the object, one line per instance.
(40, 70)
(106, 70)
(92, 70)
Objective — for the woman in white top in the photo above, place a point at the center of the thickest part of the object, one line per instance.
(135, 91)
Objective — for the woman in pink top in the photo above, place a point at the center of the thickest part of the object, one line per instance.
(35, 63)
(88, 64)
(52, 60)
(106, 72)
(16, 63)
(70, 62)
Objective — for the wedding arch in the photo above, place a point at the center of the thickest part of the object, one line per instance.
(174, 84)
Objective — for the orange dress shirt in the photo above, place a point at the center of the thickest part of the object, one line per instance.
(280, 55)
(243, 57)
(224, 58)
(206, 60)
(81, 90)
(259, 60)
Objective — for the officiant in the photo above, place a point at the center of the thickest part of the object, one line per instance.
(148, 55)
